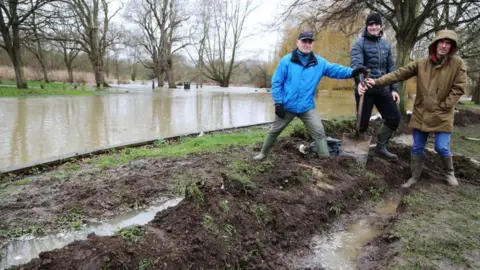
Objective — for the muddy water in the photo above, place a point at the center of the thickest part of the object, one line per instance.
(22, 251)
(339, 249)
(37, 128)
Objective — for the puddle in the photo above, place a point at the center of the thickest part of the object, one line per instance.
(21, 251)
(340, 248)
(406, 139)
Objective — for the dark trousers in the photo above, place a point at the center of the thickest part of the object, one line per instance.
(385, 105)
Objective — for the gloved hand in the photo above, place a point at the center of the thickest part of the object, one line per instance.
(280, 110)
(358, 70)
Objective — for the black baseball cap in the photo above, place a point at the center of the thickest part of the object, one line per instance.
(306, 35)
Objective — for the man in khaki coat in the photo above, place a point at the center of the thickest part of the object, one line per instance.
(441, 81)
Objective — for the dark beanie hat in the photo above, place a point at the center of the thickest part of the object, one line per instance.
(373, 18)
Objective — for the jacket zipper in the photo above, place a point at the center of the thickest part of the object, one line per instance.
(379, 58)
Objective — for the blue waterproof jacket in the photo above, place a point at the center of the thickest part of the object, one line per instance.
(374, 53)
(294, 84)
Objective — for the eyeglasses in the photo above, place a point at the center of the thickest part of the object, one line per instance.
(309, 41)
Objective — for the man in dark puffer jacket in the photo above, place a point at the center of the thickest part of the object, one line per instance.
(375, 53)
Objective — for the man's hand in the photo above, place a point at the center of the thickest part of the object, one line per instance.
(370, 82)
(280, 110)
(356, 71)
(362, 88)
(396, 97)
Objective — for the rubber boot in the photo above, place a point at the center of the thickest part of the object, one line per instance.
(384, 135)
(448, 170)
(416, 165)
(267, 145)
(322, 148)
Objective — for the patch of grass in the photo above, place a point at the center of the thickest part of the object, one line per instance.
(144, 264)
(306, 176)
(470, 105)
(62, 174)
(160, 142)
(71, 166)
(19, 231)
(241, 168)
(224, 206)
(185, 185)
(73, 218)
(300, 131)
(260, 212)
(48, 91)
(463, 146)
(210, 224)
(194, 194)
(207, 143)
(376, 193)
(243, 180)
(133, 234)
(225, 230)
(439, 227)
(22, 182)
(264, 166)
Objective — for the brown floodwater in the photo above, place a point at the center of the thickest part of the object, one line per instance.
(38, 128)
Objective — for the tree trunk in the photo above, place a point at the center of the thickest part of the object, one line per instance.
(16, 59)
(224, 83)
(134, 72)
(160, 75)
(403, 58)
(170, 78)
(44, 70)
(476, 92)
(70, 73)
(41, 59)
(98, 71)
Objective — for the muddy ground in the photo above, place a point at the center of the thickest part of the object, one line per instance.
(237, 213)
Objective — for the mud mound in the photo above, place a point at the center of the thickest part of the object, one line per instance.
(93, 194)
(242, 215)
(466, 117)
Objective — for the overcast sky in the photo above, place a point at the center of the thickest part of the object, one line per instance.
(261, 40)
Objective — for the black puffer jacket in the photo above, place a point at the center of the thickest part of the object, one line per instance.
(374, 53)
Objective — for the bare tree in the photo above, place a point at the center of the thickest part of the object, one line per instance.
(412, 21)
(34, 36)
(200, 34)
(13, 15)
(93, 19)
(133, 53)
(66, 38)
(159, 21)
(224, 38)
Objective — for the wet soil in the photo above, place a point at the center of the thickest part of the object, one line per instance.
(288, 204)
(245, 215)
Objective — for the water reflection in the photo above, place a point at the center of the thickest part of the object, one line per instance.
(38, 128)
(21, 251)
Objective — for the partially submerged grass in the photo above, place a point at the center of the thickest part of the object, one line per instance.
(133, 234)
(22, 230)
(48, 91)
(72, 218)
(440, 228)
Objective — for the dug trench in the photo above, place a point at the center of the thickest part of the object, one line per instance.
(236, 213)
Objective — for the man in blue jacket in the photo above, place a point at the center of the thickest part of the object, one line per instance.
(293, 90)
(375, 53)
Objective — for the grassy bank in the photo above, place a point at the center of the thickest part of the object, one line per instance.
(9, 89)
(439, 228)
